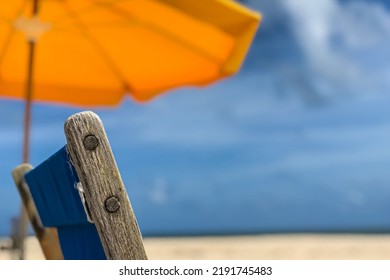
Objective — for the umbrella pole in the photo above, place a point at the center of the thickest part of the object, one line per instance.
(28, 103)
(23, 217)
(29, 91)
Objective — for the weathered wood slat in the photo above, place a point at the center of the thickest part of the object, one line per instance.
(47, 237)
(105, 194)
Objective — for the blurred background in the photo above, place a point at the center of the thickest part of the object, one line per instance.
(297, 142)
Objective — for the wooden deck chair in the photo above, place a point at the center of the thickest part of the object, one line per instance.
(82, 208)
(47, 237)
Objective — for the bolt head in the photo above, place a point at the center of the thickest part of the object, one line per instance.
(91, 142)
(112, 204)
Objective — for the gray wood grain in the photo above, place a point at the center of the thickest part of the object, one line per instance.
(105, 194)
(47, 237)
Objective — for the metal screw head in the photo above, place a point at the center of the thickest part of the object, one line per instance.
(112, 204)
(90, 142)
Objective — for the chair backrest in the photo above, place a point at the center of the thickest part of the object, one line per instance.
(79, 191)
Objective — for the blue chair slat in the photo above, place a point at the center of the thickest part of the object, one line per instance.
(53, 188)
(79, 243)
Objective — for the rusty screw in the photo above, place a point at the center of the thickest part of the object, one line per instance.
(112, 204)
(91, 142)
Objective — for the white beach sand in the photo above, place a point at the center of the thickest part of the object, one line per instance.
(271, 247)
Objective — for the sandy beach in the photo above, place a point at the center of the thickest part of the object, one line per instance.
(271, 247)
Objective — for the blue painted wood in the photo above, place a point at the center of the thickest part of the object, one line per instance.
(53, 188)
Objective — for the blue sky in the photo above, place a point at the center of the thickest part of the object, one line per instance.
(298, 140)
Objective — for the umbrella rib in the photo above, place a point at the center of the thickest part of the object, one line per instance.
(4, 20)
(18, 13)
(11, 34)
(95, 44)
(122, 13)
(91, 8)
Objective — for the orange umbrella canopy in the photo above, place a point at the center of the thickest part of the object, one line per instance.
(92, 52)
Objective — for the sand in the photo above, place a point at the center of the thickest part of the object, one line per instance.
(270, 247)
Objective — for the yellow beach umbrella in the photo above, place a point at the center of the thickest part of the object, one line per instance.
(94, 52)
(91, 52)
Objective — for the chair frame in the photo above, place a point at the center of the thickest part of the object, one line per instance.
(103, 193)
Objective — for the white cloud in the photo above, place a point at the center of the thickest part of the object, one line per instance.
(314, 23)
(363, 25)
(341, 41)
